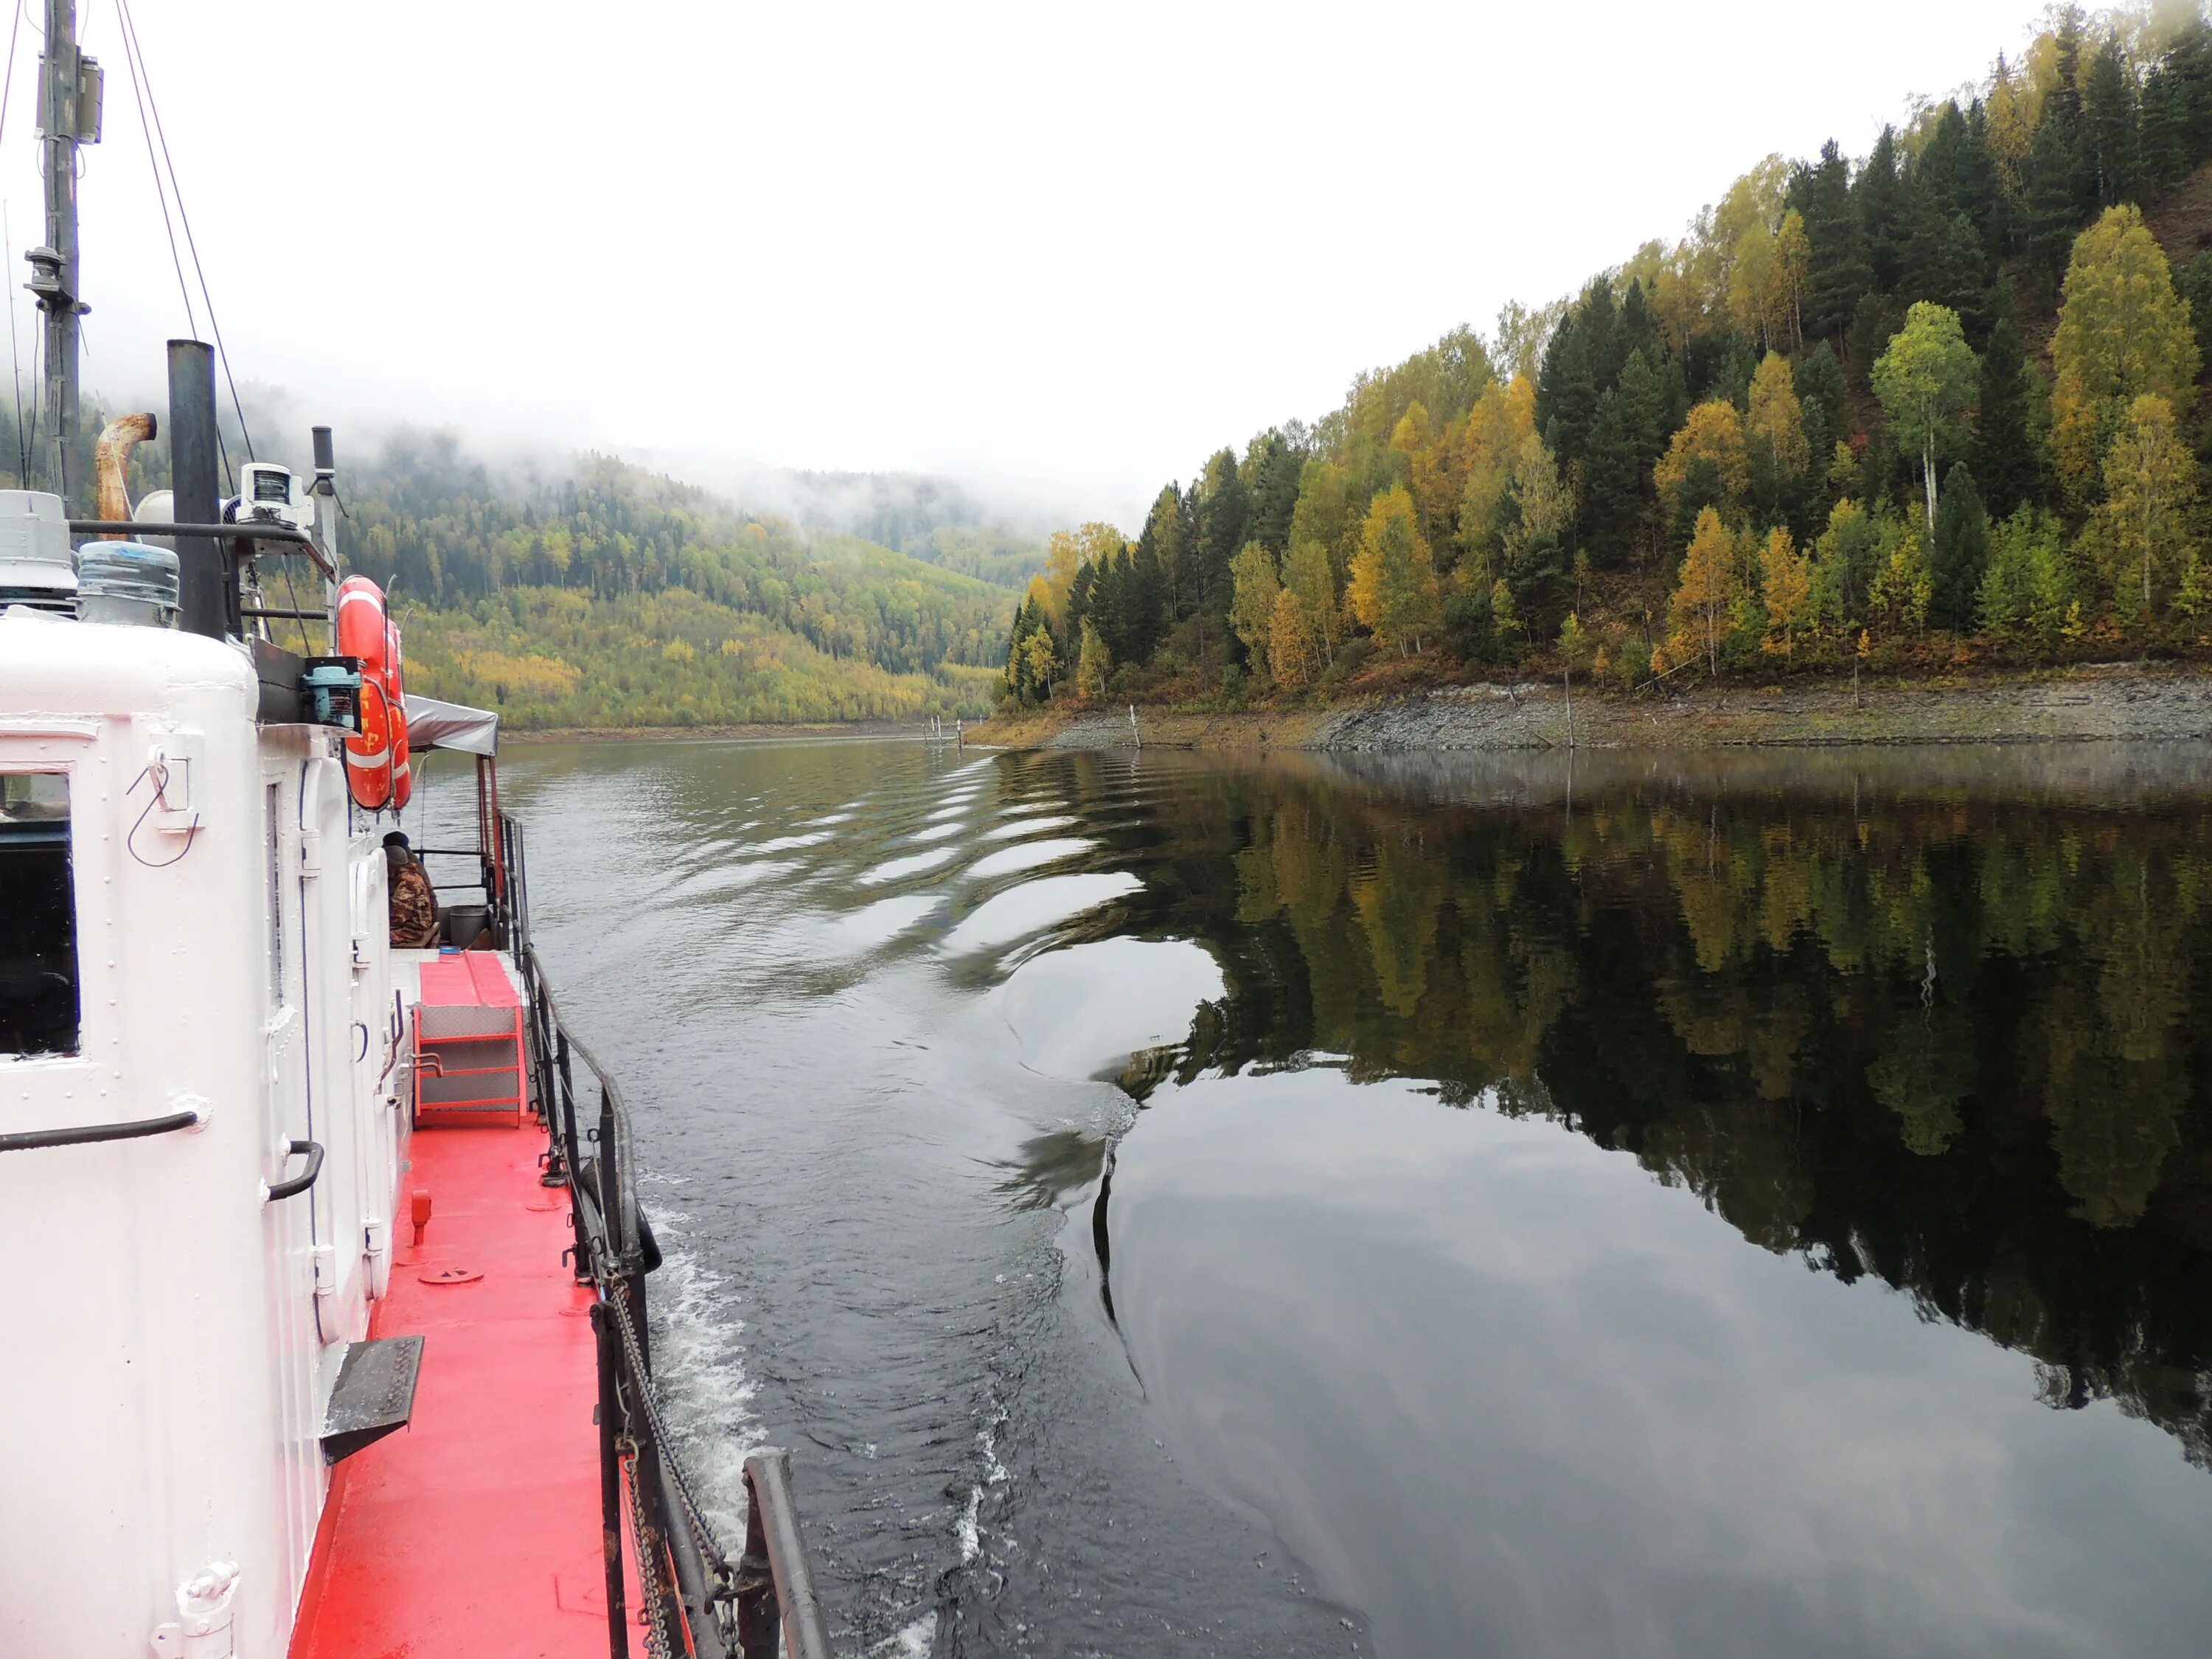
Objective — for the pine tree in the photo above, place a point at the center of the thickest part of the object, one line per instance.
(1270, 472)
(1612, 495)
(1877, 318)
(2108, 125)
(2006, 460)
(2061, 189)
(2161, 135)
(1877, 201)
(1961, 554)
(1838, 273)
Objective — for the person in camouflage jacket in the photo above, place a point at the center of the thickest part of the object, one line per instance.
(414, 904)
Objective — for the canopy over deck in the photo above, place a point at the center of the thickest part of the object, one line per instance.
(434, 724)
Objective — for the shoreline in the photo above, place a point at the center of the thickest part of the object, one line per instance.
(2108, 703)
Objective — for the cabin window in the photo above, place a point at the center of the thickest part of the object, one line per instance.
(38, 916)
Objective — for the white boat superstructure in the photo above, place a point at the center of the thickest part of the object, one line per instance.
(182, 1302)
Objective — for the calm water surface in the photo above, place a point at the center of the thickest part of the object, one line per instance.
(1191, 1205)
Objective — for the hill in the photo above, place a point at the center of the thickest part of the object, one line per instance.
(611, 597)
(1936, 407)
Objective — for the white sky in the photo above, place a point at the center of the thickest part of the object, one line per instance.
(1060, 252)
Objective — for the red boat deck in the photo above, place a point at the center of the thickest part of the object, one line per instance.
(475, 1530)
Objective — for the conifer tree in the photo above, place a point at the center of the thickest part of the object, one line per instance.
(1837, 272)
(2005, 458)
(2060, 188)
(2108, 125)
(1877, 201)
(1960, 552)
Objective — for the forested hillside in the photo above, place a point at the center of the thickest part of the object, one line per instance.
(598, 595)
(933, 520)
(1940, 405)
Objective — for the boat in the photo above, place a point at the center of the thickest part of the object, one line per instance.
(328, 1309)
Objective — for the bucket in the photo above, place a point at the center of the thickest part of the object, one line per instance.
(464, 921)
(127, 582)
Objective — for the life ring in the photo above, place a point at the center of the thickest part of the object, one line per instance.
(365, 632)
(402, 774)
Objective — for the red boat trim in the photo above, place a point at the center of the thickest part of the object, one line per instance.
(475, 1530)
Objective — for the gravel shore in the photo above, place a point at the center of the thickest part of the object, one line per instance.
(2117, 702)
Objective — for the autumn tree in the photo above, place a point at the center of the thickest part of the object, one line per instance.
(2150, 479)
(1307, 579)
(1093, 663)
(1253, 586)
(1774, 431)
(2123, 333)
(1697, 615)
(1786, 581)
(1394, 579)
(1292, 653)
(1705, 465)
(1926, 381)
(1040, 662)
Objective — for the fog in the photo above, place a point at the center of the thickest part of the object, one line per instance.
(1059, 254)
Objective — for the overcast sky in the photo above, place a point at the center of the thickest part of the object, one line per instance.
(1061, 252)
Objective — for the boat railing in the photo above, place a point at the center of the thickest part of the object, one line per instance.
(690, 1596)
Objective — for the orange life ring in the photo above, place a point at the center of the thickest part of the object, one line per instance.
(364, 631)
(402, 774)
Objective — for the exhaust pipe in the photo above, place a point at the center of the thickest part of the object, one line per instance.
(206, 595)
(110, 466)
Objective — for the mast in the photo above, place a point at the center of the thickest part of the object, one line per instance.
(69, 88)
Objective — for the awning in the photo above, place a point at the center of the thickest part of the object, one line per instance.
(434, 724)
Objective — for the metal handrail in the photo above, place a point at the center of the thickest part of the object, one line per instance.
(27, 1140)
(691, 1599)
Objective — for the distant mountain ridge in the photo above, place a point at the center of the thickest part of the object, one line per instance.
(935, 520)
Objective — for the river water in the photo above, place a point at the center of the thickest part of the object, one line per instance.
(1178, 1205)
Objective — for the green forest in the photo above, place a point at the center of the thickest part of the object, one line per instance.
(616, 597)
(1938, 408)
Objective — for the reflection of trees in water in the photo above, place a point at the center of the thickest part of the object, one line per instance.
(1947, 1039)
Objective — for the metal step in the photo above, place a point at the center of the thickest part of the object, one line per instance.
(375, 1395)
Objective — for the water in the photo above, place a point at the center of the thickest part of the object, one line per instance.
(1179, 1205)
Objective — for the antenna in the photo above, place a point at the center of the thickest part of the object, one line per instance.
(71, 89)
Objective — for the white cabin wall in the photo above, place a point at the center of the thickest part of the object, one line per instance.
(163, 1421)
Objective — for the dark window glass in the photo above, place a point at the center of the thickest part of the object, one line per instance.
(38, 916)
